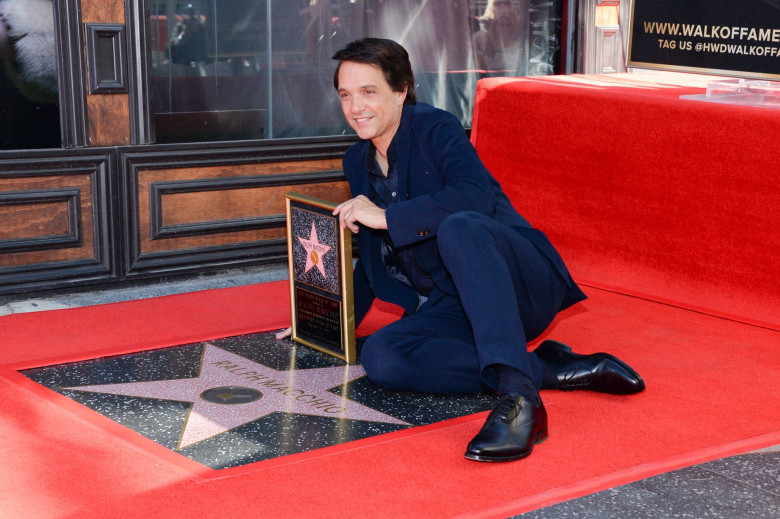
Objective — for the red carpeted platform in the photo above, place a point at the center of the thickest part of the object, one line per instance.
(665, 209)
(710, 382)
(641, 191)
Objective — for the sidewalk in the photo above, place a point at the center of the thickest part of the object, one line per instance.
(141, 289)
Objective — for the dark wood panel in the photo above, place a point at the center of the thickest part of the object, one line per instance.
(109, 119)
(71, 73)
(189, 201)
(56, 218)
(103, 11)
(201, 225)
(21, 221)
(32, 247)
(84, 216)
(177, 208)
(195, 208)
(47, 218)
(108, 115)
(236, 206)
(106, 52)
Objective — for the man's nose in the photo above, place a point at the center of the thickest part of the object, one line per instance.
(356, 105)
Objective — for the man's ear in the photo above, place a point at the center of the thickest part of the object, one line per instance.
(402, 96)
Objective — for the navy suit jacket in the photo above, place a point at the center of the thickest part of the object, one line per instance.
(439, 173)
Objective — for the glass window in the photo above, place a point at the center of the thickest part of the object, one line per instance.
(29, 111)
(248, 69)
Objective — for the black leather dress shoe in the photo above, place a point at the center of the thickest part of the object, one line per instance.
(510, 432)
(600, 372)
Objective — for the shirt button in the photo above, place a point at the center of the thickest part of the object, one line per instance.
(394, 194)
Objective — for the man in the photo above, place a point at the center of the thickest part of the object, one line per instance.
(437, 236)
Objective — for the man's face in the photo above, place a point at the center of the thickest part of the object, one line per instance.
(370, 106)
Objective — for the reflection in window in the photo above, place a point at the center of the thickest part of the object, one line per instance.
(29, 112)
(248, 69)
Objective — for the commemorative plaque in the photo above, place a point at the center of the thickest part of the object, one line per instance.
(320, 262)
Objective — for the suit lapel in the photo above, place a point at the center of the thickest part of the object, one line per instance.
(373, 266)
(362, 184)
(404, 143)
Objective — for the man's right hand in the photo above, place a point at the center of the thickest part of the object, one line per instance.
(360, 210)
(284, 334)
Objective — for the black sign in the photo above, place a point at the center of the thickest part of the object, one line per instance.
(318, 318)
(725, 37)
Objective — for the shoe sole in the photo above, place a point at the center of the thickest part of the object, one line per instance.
(567, 349)
(541, 436)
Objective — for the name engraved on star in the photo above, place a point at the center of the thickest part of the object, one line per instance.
(270, 383)
(306, 391)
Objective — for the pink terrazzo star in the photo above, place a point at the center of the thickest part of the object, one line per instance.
(303, 391)
(314, 251)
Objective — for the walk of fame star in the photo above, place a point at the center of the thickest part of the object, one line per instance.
(314, 251)
(231, 390)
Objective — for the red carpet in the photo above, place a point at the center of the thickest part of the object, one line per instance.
(710, 385)
(675, 200)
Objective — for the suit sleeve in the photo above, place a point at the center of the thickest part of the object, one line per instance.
(459, 182)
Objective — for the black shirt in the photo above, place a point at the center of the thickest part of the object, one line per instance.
(400, 263)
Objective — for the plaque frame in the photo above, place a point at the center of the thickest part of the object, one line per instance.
(316, 291)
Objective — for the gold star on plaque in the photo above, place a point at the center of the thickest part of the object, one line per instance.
(314, 251)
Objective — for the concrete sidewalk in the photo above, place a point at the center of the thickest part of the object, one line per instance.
(141, 289)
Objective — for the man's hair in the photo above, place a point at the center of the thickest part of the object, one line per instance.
(391, 58)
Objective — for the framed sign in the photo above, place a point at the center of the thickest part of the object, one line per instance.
(320, 262)
(722, 37)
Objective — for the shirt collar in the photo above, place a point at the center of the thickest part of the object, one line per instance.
(392, 153)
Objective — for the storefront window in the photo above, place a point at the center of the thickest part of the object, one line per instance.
(29, 111)
(248, 69)
(262, 69)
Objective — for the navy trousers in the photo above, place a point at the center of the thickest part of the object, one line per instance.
(508, 294)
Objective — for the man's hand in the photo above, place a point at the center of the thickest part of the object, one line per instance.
(360, 210)
(284, 334)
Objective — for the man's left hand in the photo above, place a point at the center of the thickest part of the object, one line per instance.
(360, 210)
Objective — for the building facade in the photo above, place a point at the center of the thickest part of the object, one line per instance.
(146, 138)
